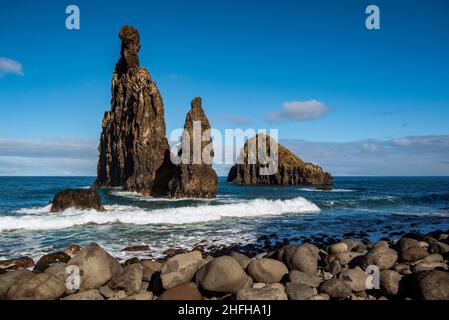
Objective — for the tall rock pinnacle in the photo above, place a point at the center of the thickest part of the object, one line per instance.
(134, 152)
(195, 177)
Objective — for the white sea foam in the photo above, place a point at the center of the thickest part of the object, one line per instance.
(40, 219)
(139, 197)
(41, 210)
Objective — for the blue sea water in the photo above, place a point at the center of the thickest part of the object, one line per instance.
(368, 207)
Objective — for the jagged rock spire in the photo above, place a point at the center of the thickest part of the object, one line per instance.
(134, 152)
(195, 177)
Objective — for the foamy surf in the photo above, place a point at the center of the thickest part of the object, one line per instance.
(139, 197)
(40, 219)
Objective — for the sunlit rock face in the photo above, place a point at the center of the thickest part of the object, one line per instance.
(195, 177)
(134, 152)
(291, 170)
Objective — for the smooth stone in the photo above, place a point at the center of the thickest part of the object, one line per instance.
(185, 291)
(304, 278)
(16, 277)
(224, 275)
(107, 292)
(241, 258)
(320, 297)
(266, 293)
(338, 248)
(335, 288)
(424, 266)
(151, 264)
(180, 269)
(439, 247)
(356, 278)
(344, 258)
(406, 243)
(433, 258)
(96, 266)
(141, 296)
(92, 294)
(303, 258)
(381, 246)
(267, 270)
(352, 244)
(129, 279)
(299, 291)
(434, 285)
(40, 287)
(412, 254)
(390, 282)
(383, 259)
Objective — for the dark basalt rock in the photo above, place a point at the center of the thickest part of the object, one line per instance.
(291, 169)
(134, 152)
(47, 260)
(76, 198)
(195, 177)
(13, 264)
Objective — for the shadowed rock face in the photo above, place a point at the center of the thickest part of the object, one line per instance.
(291, 169)
(195, 177)
(134, 152)
(79, 199)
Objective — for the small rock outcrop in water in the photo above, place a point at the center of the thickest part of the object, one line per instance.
(134, 152)
(291, 169)
(79, 199)
(195, 177)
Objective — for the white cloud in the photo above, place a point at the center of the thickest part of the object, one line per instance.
(420, 156)
(54, 148)
(412, 156)
(370, 147)
(10, 66)
(298, 111)
(48, 158)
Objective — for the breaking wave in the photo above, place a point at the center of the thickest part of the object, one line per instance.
(42, 219)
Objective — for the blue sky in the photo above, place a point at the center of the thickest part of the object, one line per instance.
(254, 63)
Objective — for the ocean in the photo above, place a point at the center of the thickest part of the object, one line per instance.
(360, 207)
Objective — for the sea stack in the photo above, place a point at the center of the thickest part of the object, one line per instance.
(291, 170)
(134, 152)
(195, 177)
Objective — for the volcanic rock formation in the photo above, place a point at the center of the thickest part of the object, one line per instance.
(194, 177)
(291, 170)
(76, 198)
(134, 152)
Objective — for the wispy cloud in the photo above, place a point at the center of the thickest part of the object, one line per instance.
(408, 156)
(298, 111)
(235, 119)
(370, 147)
(53, 148)
(10, 66)
(52, 158)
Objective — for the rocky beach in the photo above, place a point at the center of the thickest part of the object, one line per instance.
(150, 228)
(412, 267)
